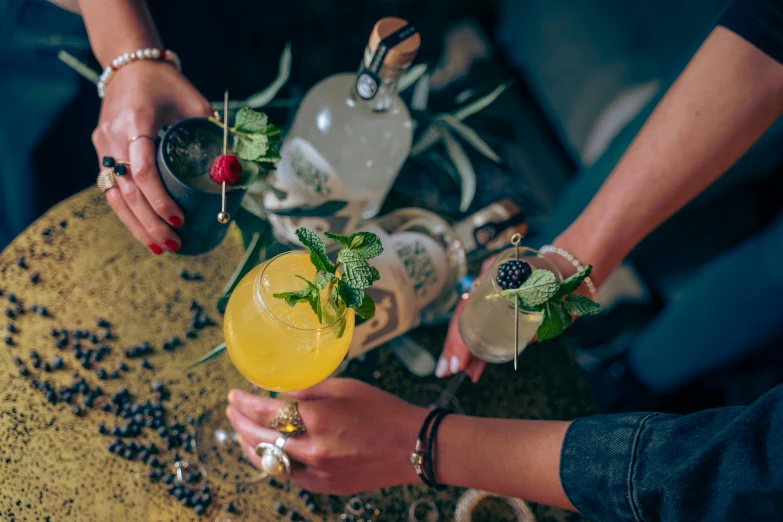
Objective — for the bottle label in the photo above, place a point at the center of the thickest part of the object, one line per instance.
(309, 181)
(413, 275)
(367, 81)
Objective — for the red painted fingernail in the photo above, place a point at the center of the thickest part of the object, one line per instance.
(171, 245)
(175, 221)
(155, 249)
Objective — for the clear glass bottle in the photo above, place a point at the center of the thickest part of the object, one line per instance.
(348, 141)
(423, 261)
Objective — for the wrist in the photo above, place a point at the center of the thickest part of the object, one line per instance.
(405, 472)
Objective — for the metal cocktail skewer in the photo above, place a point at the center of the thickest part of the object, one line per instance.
(223, 216)
(515, 240)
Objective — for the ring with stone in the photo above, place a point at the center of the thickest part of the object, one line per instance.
(274, 460)
(287, 420)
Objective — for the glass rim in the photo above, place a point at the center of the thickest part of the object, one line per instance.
(258, 292)
(164, 159)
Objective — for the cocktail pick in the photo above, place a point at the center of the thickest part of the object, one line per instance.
(223, 216)
(515, 240)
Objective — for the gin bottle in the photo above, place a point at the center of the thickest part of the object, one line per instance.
(348, 141)
(423, 261)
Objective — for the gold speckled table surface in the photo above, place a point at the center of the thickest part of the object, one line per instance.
(55, 465)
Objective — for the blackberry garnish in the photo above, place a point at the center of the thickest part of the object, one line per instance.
(513, 274)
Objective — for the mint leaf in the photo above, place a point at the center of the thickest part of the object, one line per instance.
(291, 298)
(343, 240)
(572, 283)
(366, 244)
(315, 304)
(374, 273)
(250, 171)
(367, 309)
(356, 271)
(352, 297)
(252, 147)
(310, 284)
(317, 249)
(341, 327)
(249, 121)
(580, 305)
(541, 286)
(552, 324)
(322, 279)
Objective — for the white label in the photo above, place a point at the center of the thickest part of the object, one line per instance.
(413, 274)
(309, 180)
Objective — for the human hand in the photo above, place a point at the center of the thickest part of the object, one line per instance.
(358, 437)
(141, 98)
(455, 357)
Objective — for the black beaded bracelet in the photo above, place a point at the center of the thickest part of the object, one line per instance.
(429, 456)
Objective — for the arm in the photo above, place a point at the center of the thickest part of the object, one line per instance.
(721, 464)
(729, 94)
(118, 27)
(143, 96)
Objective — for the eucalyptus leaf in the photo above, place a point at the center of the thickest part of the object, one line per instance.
(421, 94)
(249, 260)
(261, 186)
(410, 77)
(283, 74)
(481, 103)
(464, 167)
(428, 138)
(217, 350)
(471, 136)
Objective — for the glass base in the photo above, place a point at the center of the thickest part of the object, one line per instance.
(219, 452)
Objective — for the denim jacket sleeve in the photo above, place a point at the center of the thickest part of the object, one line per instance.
(723, 464)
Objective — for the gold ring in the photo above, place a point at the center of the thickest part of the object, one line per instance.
(106, 180)
(287, 420)
(139, 137)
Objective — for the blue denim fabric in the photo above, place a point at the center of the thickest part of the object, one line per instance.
(724, 464)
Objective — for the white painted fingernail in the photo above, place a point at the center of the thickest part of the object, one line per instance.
(454, 364)
(440, 370)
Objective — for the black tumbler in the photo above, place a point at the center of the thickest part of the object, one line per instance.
(187, 150)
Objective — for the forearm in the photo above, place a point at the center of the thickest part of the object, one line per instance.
(118, 26)
(517, 458)
(722, 103)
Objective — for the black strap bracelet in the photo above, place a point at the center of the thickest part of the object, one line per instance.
(429, 456)
(418, 457)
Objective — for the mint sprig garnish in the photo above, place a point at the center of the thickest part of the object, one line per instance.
(357, 274)
(543, 293)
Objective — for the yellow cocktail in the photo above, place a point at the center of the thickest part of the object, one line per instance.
(279, 347)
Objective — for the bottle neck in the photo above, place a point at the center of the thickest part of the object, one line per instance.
(491, 228)
(385, 89)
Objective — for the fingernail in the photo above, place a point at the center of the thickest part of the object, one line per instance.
(228, 412)
(175, 221)
(155, 249)
(454, 364)
(171, 245)
(440, 370)
(240, 440)
(230, 397)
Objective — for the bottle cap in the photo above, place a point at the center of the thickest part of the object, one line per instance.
(403, 53)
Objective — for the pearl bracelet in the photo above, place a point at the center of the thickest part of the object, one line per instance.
(142, 54)
(571, 259)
